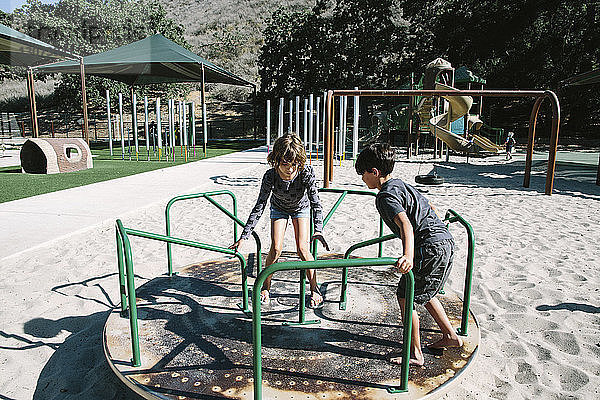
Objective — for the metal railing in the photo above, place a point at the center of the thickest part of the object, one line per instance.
(314, 250)
(345, 263)
(126, 276)
(452, 216)
(208, 196)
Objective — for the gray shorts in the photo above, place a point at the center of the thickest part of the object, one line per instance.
(431, 268)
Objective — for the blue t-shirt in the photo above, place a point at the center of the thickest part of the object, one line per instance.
(395, 197)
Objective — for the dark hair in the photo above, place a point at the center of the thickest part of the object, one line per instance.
(288, 148)
(376, 155)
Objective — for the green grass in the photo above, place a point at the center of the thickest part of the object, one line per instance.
(16, 185)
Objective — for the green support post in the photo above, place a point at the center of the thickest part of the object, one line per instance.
(359, 245)
(452, 216)
(322, 264)
(121, 266)
(124, 233)
(133, 325)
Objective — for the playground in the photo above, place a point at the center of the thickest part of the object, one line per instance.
(133, 290)
(536, 325)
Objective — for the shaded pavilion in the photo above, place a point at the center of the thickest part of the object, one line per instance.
(584, 79)
(19, 49)
(152, 60)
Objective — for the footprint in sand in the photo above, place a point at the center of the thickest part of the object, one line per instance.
(572, 379)
(526, 373)
(563, 341)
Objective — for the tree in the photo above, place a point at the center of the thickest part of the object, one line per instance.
(86, 27)
(346, 44)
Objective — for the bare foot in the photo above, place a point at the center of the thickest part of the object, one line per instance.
(446, 341)
(316, 299)
(420, 361)
(264, 297)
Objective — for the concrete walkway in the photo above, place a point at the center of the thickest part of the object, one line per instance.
(30, 222)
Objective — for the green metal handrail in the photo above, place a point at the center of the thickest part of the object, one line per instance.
(452, 216)
(208, 196)
(344, 192)
(124, 248)
(347, 256)
(304, 265)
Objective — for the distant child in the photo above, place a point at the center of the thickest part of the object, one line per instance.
(509, 143)
(294, 189)
(428, 246)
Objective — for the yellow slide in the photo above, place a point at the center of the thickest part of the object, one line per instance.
(440, 124)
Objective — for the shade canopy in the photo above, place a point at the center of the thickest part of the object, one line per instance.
(154, 59)
(587, 78)
(16, 48)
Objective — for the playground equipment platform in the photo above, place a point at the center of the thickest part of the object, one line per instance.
(196, 343)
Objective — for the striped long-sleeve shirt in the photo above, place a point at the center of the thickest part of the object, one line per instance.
(288, 196)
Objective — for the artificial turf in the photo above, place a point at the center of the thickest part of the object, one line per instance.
(16, 185)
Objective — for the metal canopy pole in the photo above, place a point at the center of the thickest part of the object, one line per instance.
(84, 101)
(204, 119)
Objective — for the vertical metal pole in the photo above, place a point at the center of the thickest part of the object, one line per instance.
(531, 140)
(305, 122)
(318, 125)
(298, 115)
(204, 116)
(291, 116)
(280, 126)
(158, 128)
(146, 127)
(355, 126)
(268, 112)
(340, 129)
(193, 116)
(109, 122)
(553, 141)
(121, 129)
(409, 134)
(84, 101)
(134, 123)
(311, 105)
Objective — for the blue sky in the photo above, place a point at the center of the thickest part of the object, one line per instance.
(10, 5)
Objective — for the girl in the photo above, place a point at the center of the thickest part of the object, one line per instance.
(294, 189)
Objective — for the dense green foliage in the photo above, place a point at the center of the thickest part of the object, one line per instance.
(90, 26)
(357, 43)
(525, 44)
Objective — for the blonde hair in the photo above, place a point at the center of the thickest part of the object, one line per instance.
(288, 148)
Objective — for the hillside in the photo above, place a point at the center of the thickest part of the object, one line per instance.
(228, 32)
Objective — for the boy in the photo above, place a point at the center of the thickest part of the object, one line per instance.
(509, 143)
(427, 244)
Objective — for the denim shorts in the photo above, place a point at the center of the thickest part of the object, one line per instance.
(278, 214)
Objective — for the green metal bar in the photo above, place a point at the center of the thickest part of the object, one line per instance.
(237, 221)
(133, 325)
(347, 256)
(380, 252)
(240, 222)
(124, 233)
(452, 216)
(346, 192)
(121, 266)
(334, 208)
(304, 265)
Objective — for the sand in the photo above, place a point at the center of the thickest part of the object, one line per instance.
(536, 287)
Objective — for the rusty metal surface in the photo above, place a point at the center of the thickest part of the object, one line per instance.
(196, 343)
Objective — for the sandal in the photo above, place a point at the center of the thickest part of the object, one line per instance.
(265, 298)
(316, 300)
